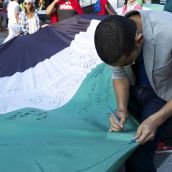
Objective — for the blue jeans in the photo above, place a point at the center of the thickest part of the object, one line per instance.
(143, 102)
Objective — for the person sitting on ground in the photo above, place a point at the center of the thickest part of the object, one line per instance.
(13, 10)
(28, 22)
(63, 9)
(130, 5)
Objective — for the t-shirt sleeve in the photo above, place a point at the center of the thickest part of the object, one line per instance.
(17, 9)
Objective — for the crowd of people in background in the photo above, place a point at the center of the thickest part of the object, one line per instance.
(24, 18)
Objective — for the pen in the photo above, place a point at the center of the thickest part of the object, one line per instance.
(115, 116)
(133, 140)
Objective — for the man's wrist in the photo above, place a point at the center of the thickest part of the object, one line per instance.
(122, 109)
(158, 118)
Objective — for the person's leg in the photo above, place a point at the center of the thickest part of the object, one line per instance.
(166, 136)
(6, 24)
(134, 105)
(0, 23)
(12, 32)
(142, 159)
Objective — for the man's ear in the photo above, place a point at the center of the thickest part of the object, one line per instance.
(139, 38)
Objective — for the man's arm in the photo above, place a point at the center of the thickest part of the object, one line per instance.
(121, 87)
(148, 127)
(51, 8)
(109, 11)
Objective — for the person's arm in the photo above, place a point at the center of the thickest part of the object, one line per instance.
(19, 25)
(17, 16)
(109, 11)
(37, 20)
(51, 8)
(148, 127)
(121, 87)
(17, 11)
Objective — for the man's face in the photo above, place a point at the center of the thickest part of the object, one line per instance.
(129, 60)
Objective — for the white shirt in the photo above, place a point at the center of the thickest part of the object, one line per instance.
(131, 6)
(13, 8)
(32, 25)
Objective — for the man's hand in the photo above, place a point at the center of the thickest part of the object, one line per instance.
(51, 8)
(56, 1)
(147, 130)
(115, 125)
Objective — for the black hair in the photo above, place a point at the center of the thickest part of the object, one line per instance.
(125, 2)
(115, 37)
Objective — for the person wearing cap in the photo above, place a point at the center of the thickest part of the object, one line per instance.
(63, 9)
(13, 10)
(138, 49)
(28, 22)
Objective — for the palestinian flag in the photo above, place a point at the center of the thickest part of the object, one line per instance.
(54, 98)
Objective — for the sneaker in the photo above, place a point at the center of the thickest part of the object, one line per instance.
(163, 148)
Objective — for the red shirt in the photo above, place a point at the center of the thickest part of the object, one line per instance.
(103, 3)
(74, 5)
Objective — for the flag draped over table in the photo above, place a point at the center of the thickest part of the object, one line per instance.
(54, 94)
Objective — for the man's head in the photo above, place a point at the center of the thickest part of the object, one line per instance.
(117, 40)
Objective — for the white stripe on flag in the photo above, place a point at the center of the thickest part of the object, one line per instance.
(53, 82)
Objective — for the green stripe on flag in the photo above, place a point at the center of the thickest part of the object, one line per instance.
(72, 138)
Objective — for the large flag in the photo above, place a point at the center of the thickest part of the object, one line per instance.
(54, 98)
